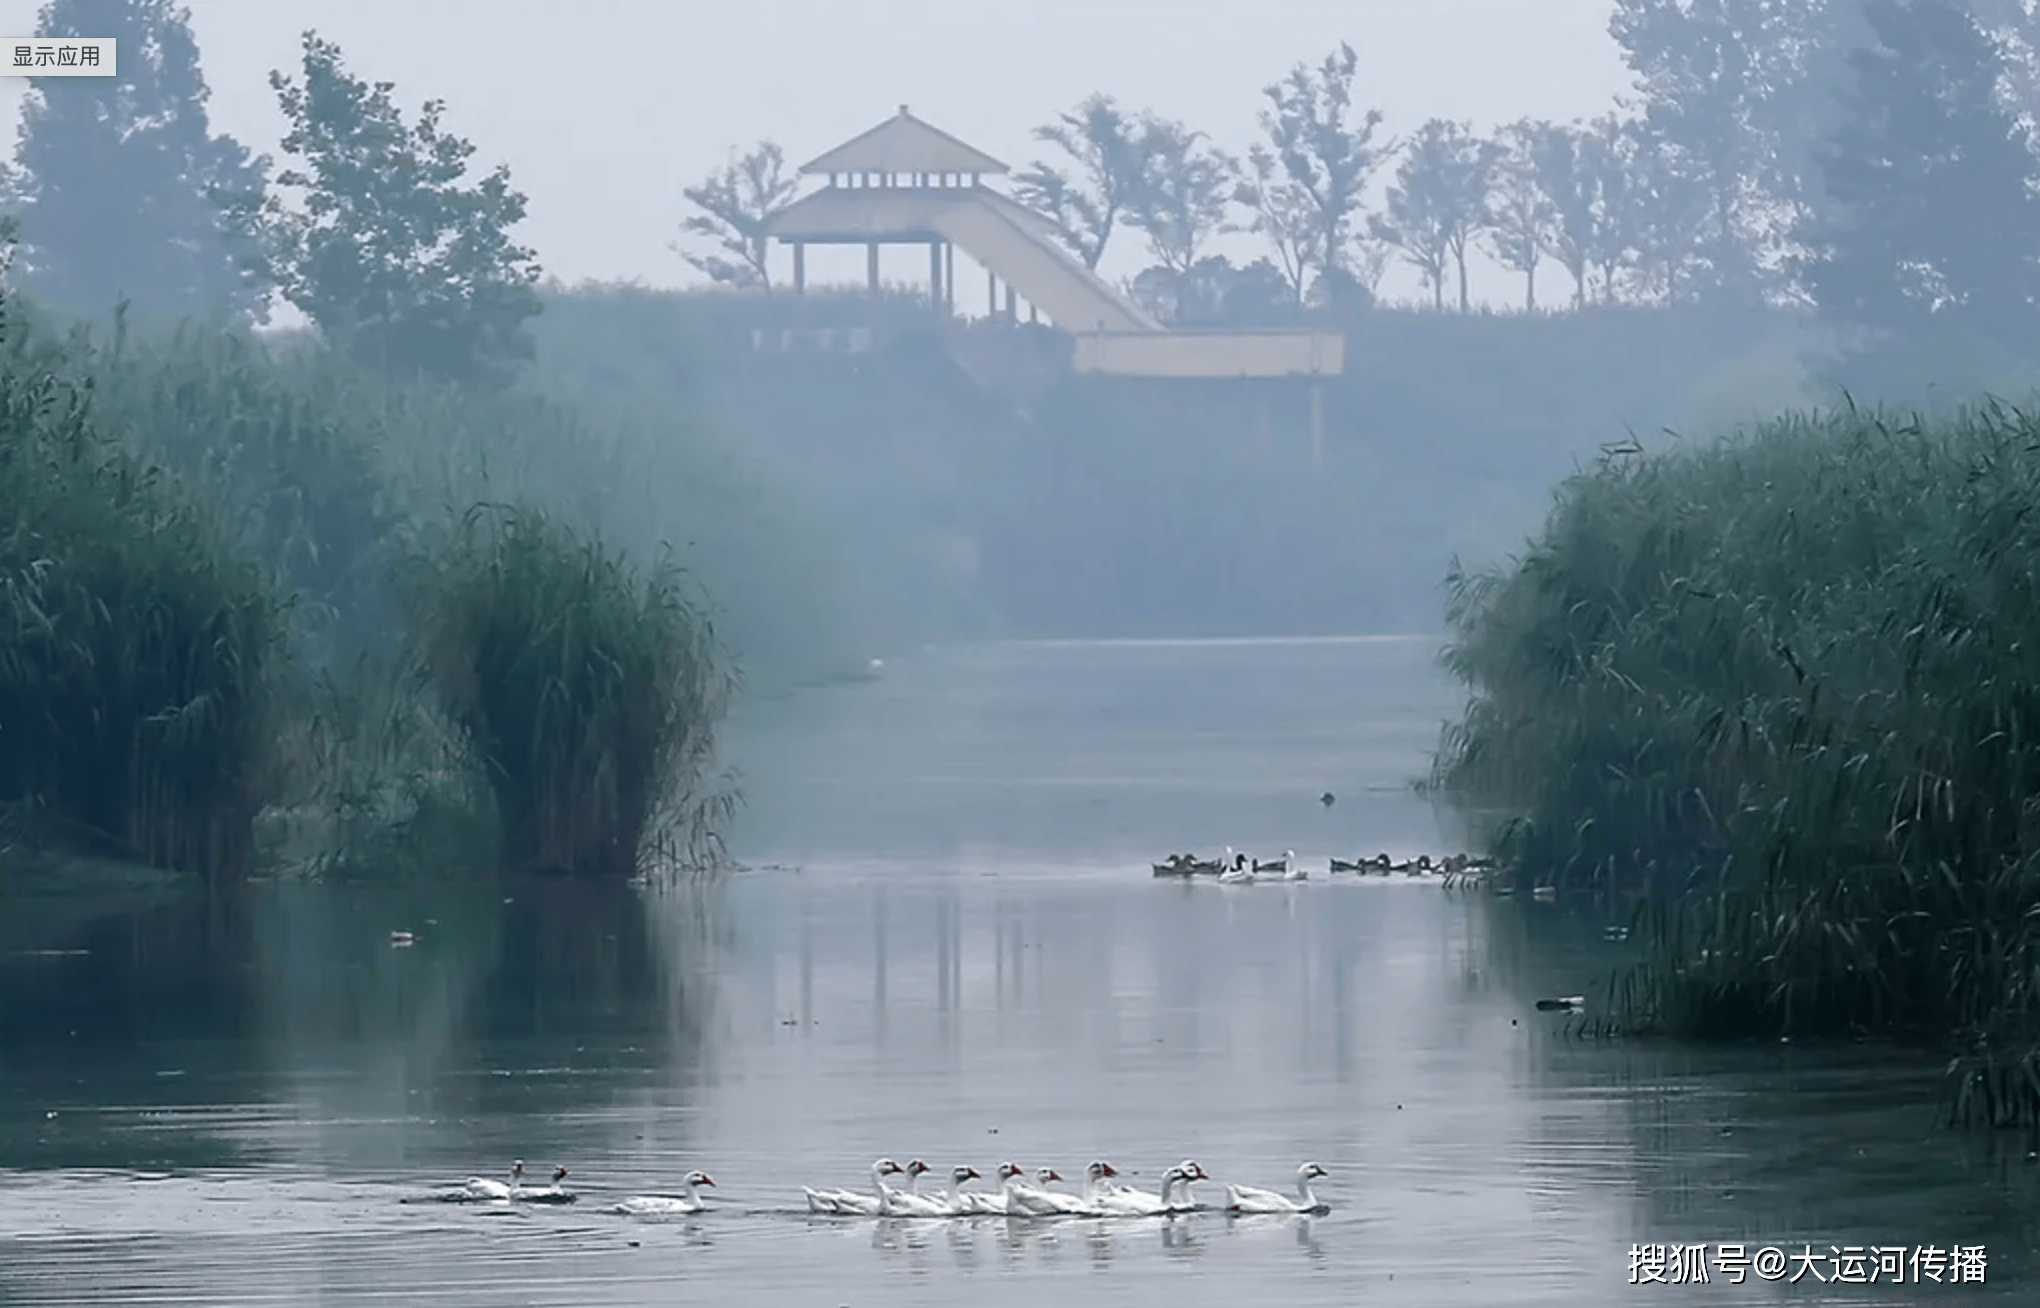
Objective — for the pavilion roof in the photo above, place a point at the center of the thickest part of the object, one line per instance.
(904, 144)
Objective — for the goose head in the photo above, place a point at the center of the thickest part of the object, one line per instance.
(961, 1174)
(886, 1167)
(699, 1178)
(918, 1169)
(1046, 1174)
(559, 1175)
(1193, 1170)
(1310, 1172)
(1008, 1172)
(1099, 1170)
(517, 1169)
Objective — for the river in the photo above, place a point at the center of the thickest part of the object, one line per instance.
(948, 946)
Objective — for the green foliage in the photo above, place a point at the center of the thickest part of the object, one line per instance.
(397, 262)
(1086, 198)
(117, 179)
(1788, 689)
(1439, 202)
(736, 205)
(588, 693)
(1309, 177)
(1895, 254)
(137, 644)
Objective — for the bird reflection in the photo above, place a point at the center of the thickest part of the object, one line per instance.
(963, 1250)
(1298, 1223)
(906, 1241)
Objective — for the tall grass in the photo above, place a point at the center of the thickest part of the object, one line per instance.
(588, 691)
(138, 643)
(1786, 691)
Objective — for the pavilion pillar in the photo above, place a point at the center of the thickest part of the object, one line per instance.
(800, 267)
(1012, 309)
(871, 266)
(935, 276)
(991, 294)
(1317, 424)
(949, 278)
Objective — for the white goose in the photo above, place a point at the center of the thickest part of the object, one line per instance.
(664, 1205)
(915, 1170)
(912, 1203)
(852, 1203)
(1125, 1201)
(555, 1193)
(971, 1203)
(1239, 869)
(480, 1189)
(1057, 1203)
(1037, 1200)
(958, 1202)
(1249, 1199)
(1002, 1202)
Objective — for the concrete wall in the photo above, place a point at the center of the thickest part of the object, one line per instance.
(1211, 354)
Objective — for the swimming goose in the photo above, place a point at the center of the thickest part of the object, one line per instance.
(1239, 869)
(1037, 1200)
(1249, 1199)
(661, 1205)
(912, 1203)
(480, 1189)
(1125, 1201)
(550, 1194)
(852, 1203)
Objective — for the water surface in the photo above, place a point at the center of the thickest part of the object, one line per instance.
(948, 947)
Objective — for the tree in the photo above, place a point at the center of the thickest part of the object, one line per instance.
(1523, 221)
(1215, 292)
(1710, 72)
(1098, 137)
(117, 179)
(1308, 179)
(1930, 189)
(392, 258)
(1608, 149)
(1183, 192)
(1562, 169)
(738, 203)
(1439, 202)
(1660, 210)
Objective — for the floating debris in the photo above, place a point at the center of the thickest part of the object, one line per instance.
(1569, 1004)
(402, 939)
(1328, 799)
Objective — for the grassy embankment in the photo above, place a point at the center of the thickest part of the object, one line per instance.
(1113, 507)
(1783, 693)
(246, 581)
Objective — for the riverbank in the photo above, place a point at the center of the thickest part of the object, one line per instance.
(1784, 693)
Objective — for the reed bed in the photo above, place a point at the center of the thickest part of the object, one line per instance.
(1783, 695)
(588, 690)
(138, 643)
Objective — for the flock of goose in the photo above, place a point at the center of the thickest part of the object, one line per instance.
(1101, 1195)
(1237, 868)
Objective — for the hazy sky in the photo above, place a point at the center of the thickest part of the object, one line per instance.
(605, 109)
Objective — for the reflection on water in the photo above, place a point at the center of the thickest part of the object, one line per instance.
(223, 1100)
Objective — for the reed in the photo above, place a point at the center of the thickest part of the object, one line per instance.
(587, 691)
(1784, 693)
(137, 642)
